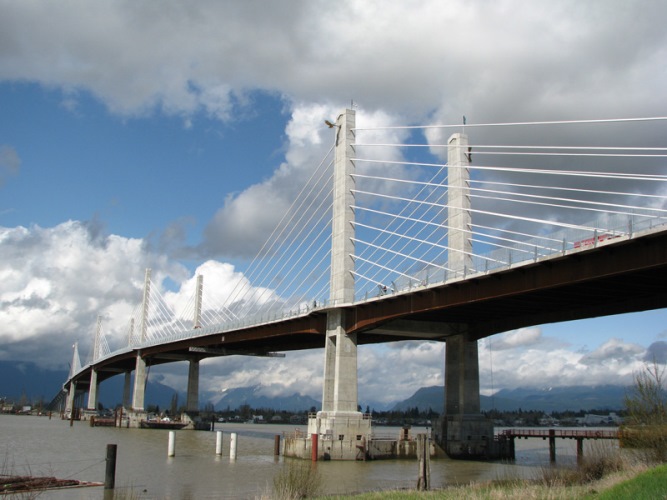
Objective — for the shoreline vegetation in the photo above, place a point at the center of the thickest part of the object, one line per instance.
(637, 482)
(607, 472)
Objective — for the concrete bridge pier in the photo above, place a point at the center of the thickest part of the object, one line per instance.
(192, 401)
(341, 429)
(127, 390)
(92, 392)
(464, 432)
(71, 394)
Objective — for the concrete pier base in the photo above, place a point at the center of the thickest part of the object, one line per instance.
(360, 445)
(134, 418)
(342, 435)
(466, 437)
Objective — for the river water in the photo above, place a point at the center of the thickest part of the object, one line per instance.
(43, 447)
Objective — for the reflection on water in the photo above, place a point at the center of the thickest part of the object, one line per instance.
(41, 446)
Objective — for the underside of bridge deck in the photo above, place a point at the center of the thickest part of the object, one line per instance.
(628, 276)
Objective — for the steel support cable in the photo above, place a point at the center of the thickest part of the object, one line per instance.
(579, 190)
(514, 217)
(306, 267)
(518, 233)
(414, 210)
(579, 155)
(187, 313)
(214, 312)
(440, 211)
(308, 292)
(571, 173)
(562, 188)
(300, 224)
(378, 265)
(429, 243)
(472, 233)
(323, 227)
(407, 242)
(405, 256)
(298, 201)
(506, 146)
(298, 197)
(323, 290)
(301, 241)
(164, 317)
(514, 124)
(169, 319)
(556, 198)
(570, 207)
(300, 299)
(576, 173)
(296, 298)
(260, 269)
(513, 241)
(289, 239)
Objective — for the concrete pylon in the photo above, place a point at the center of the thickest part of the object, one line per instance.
(192, 402)
(75, 366)
(71, 394)
(463, 432)
(339, 425)
(140, 365)
(92, 391)
(127, 390)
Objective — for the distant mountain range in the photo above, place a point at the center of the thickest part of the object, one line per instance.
(17, 379)
(573, 398)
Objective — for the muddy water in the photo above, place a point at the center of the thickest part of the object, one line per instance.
(40, 446)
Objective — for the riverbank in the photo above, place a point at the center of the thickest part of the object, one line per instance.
(637, 482)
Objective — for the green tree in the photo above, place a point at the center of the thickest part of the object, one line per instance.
(646, 405)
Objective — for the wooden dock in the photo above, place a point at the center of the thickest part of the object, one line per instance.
(552, 434)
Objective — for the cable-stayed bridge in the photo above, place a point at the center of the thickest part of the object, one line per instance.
(439, 232)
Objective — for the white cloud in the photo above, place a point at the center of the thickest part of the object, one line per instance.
(516, 338)
(402, 62)
(56, 281)
(475, 58)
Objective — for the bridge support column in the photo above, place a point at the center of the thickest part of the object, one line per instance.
(92, 391)
(464, 431)
(341, 428)
(127, 390)
(192, 402)
(71, 394)
(139, 385)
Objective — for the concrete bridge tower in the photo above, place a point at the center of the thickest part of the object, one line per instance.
(340, 427)
(463, 431)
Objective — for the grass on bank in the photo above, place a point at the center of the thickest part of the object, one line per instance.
(647, 485)
(606, 472)
(628, 484)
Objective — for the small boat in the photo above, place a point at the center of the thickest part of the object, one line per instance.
(162, 424)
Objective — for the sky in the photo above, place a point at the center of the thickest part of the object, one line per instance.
(169, 135)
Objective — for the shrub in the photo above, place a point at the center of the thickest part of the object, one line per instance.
(297, 480)
(647, 414)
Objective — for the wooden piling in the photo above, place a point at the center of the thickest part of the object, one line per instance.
(580, 449)
(276, 445)
(110, 473)
(552, 445)
(424, 458)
